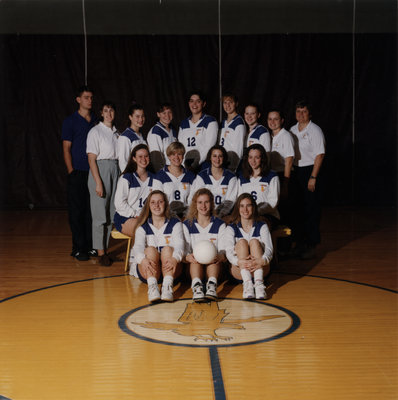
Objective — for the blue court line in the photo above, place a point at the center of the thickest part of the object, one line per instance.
(218, 383)
(4, 398)
(335, 279)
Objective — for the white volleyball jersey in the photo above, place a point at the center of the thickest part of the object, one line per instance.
(259, 231)
(125, 144)
(102, 141)
(233, 135)
(282, 147)
(131, 194)
(175, 188)
(200, 136)
(159, 138)
(194, 233)
(170, 234)
(310, 143)
(224, 189)
(265, 191)
(259, 135)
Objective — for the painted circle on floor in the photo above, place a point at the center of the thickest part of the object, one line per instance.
(228, 322)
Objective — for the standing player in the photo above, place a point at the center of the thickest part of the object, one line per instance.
(174, 180)
(132, 190)
(202, 225)
(309, 157)
(248, 246)
(158, 247)
(258, 134)
(131, 137)
(102, 180)
(233, 131)
(197, 133)
(74, 137)
(161, 136)
(222, 183)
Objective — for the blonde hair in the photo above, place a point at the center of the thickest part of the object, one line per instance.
(193, 209)
(175, 147)
(146, 211)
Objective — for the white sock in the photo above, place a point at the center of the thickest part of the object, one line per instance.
(212, 279)
(259, 275)
(152, 280)
(195, 281)
(246, 275)
(168, 280)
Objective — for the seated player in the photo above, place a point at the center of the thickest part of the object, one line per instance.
(202, 225)
(158, 248)
(219, 180)
(248, 246)
(133, 188)
(174, 180)
(262, 183)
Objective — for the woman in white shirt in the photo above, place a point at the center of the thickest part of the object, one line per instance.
(202, 225)
(248, 246)
(158, 248)
(104, 173)
(132, 190)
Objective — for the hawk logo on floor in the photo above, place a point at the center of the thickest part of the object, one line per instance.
(228, 322)
(201, 320)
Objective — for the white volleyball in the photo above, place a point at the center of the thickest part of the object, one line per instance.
(204, 252)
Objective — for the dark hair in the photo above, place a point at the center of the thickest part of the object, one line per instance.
(302, 104)
(199, 93)
(277, 111)
(162, 107)
(230, 95)
(107, 103)
(134, 106)
(224, 154)
(247, 170)
(252, 104)
(132, 165)
(235, 215)
(82, 89)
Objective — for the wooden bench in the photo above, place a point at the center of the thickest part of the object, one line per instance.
(118, 235)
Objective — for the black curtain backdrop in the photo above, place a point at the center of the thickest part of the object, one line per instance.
(41, 73)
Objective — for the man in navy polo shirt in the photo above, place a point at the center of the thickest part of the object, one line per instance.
(74, 136)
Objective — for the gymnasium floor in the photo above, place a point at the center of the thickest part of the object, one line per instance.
(75, 330)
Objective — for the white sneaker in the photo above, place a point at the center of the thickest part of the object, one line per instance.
(211, 290)
(248, 290)
(153, 292)
(167, 293)
(259, 288)
(198, 294)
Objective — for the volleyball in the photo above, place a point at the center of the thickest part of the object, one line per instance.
(204, 252)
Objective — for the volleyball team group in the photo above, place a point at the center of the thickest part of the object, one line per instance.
(173, 189)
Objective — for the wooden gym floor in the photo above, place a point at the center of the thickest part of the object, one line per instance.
(75, 330)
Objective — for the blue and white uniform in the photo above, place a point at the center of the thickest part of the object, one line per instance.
(200, 136)
(175, 188)
(125, 144)
(235, 232)
(225, 190)
(159, 138)
(282, 147)
(130, 197)
(259, 135)
(194, 233)
(170, 234)
(233, 135)
(265, 191)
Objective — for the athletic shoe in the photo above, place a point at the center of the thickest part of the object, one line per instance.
(81, 256)
(167, 293)
(198, 294)
(211, 290)
(248, 290)
(93, 253)
(259, 288)
(153, 292)
(105, 260)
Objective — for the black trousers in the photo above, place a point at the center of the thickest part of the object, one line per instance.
(79, 211)
(307, 207)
